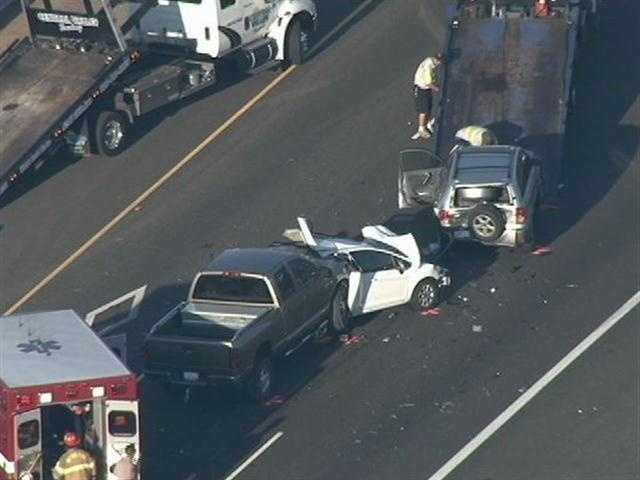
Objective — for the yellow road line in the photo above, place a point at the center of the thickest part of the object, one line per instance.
(160, 182)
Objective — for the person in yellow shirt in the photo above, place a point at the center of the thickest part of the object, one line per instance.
(476, 136)
(425, 82)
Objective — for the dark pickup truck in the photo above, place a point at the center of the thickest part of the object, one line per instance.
(248, 307)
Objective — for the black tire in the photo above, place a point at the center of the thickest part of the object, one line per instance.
(110, 133)
(340, 313)
(426, 294)
(260, 382)
(294, 46)
(486, 223)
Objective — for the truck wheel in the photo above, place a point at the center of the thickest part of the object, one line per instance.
(340, 313)
(426, 294)
(486, 223)
(296, 44)
(261, 380)
(110, 133)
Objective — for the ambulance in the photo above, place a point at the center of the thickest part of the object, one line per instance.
(58, 376)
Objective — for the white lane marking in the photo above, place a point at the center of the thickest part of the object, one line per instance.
(255, 455)
(526, 397)
(136, 297)
(346, 20)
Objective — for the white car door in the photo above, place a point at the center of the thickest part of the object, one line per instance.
(378, 283)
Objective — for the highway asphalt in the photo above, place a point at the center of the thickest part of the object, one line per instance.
(415, 389)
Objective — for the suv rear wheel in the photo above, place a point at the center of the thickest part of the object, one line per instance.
(486, 223)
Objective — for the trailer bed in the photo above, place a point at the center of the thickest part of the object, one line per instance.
(512, 75)
(39, 89)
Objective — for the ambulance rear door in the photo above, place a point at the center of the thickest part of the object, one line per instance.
(28, 429)
(122, 428)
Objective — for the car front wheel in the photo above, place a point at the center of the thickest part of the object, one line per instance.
(426, 294)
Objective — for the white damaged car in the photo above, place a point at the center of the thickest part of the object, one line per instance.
(385, 269)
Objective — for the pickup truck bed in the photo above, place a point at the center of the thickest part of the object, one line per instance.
(513, 75)
(40, 88)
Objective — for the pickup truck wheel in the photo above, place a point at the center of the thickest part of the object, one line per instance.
(296, 44)
(486, 223)
(426, 294)
(110, 133)
(261, 380)
(340, 314)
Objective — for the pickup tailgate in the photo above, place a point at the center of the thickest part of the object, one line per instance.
(194, 343)
(175, 356)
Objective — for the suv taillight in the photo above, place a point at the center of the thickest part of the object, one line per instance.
(445, 217)
(521, 216)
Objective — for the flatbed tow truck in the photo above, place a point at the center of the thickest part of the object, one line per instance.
(509, 68)
(90, 68)
(57, 375)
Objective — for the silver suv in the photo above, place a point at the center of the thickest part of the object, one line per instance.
(488, 194)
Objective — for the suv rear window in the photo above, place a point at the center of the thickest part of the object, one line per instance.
(470, 196)
(232, 288)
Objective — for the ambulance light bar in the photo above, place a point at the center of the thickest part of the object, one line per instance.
(46, 397)
(97, 392)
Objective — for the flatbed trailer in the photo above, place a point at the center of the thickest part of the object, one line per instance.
(512, 71)
(90, 68)
(43, 91)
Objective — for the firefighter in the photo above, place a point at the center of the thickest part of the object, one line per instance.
(75, 463)
(126, 468)
(476, 136)
(425, 82)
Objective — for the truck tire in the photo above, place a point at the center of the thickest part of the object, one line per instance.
(486, 223)
(110, 133)
(260, 383)
(340, 313)
(426, 294)
(295, 44)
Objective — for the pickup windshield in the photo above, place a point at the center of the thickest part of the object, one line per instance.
(234, 289)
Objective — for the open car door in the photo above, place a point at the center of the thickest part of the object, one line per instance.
(419, 177)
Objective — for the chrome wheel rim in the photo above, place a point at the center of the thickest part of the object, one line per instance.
(426, 295)
(484, 226)
(113, 134)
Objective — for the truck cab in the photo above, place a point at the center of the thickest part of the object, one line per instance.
(57, 376)
(216, 28)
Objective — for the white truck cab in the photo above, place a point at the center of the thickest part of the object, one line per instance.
(218, 27)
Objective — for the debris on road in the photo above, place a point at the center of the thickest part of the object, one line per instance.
(349, 339)
(493, 289)
(385, 340)
(542, 251)
(476, 328)
(275, 401)
(572, 285)
(431, 312)
(521, 389)
(410, 405)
